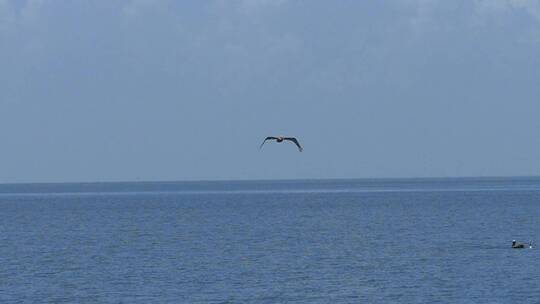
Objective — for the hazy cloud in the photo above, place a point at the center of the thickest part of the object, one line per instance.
(7, 15)
(531, 7)
(136, 8)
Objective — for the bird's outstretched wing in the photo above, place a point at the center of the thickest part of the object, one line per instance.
(268, 138)
(295, 141)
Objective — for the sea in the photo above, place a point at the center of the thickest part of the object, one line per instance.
(293, 241)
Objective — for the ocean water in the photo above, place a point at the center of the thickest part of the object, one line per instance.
(329, 241)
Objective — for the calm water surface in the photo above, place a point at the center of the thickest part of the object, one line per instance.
(341, 241)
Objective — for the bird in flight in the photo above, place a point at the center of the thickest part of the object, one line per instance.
(281, 139)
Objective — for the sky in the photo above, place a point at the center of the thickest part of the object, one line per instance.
(141, 90)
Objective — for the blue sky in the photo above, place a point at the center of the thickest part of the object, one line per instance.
(187, 90)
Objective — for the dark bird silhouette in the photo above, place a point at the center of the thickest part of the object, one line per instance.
(520, 245)
(281, 139)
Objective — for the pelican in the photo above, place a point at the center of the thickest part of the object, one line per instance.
(517, 245)
(281, 139)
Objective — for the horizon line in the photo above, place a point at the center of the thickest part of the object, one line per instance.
(485, 177)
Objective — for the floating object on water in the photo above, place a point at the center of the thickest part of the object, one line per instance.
(517, 245)
(280, 139)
